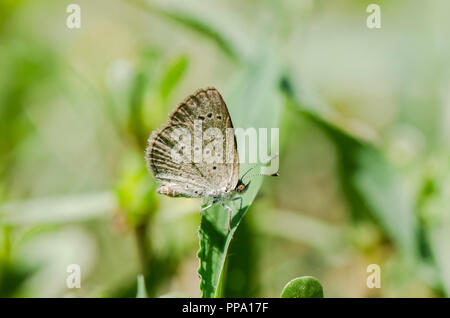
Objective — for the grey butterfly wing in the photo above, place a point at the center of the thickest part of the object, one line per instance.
(197, 178)
(177, 178)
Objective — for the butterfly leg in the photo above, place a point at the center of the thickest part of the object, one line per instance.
(240, 203)
(207, 207)
(203, 209)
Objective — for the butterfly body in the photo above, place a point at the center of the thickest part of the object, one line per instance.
(219, 194)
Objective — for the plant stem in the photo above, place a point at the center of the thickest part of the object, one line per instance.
(143, 247)
(7, 242)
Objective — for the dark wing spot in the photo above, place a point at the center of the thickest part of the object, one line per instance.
(214, 167)
(219, 117)
(209, 115)
(201, 117)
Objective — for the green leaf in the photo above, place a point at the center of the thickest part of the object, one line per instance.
(253, 103)
(174, 74)
(370, 184)
(303, 287)
(141, 290)
(214, 242)
(136, 191)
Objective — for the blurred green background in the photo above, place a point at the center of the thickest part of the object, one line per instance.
(364, 118)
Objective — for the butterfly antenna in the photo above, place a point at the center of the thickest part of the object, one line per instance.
(276, 174)
(243, 176)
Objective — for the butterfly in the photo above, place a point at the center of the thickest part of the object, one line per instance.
(214, 181)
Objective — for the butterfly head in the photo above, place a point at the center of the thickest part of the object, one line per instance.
(241, 187)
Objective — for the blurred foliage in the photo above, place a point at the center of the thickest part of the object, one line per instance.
(136, 192)
(364, 151)
(368, 181)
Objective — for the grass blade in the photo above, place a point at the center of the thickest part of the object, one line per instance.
(141, 290)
